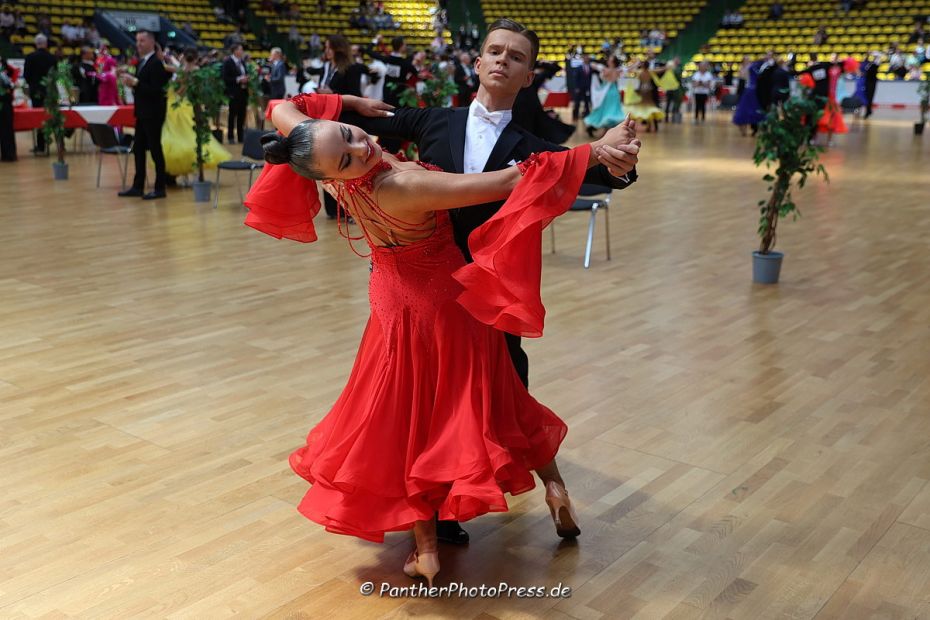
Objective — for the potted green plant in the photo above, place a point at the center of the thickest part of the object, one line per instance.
(58, 77)
(784, 140)
(204, 89)
(923, 93)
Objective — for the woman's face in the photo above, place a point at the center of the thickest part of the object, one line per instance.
(344, 151)
(327, 51)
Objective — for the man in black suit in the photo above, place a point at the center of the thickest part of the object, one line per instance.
(237, 89)
(465, 78)
(149, 87)
(482, 137)
(36, 67)
(581, 87)
(84, 75)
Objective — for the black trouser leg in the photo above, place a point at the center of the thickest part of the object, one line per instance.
(236, 124)
(39, 102)
(700, 107)
(329, 203)
(153, 133)
(518, 356)
(140, 146)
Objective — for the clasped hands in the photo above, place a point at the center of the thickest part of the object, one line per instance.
(618, 149)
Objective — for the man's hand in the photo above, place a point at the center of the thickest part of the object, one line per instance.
(129, 80)
(366, 107)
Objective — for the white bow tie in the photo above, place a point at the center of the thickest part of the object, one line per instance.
(494, 118)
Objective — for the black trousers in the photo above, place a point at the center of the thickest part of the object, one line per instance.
(869, 97)
(148, 139)
(580, 99)
(700, 106)
(7, 135)
(237, 110)
(39, 102)
(518, 356)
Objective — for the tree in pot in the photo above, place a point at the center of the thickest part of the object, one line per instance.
(784, 140)
(923, 93)
(57, 79)
(204, 89)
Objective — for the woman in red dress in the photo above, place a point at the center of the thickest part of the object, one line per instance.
(434, 418)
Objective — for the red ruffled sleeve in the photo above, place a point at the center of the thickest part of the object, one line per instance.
(281, 202)
(502, 284)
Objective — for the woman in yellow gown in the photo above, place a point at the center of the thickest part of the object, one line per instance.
(638, 101)
(178, 140)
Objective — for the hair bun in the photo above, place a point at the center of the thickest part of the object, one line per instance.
(277, 148)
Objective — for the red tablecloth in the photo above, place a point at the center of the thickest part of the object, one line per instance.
(26, 119)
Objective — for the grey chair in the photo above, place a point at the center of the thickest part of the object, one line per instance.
(107, 141)
(253, 156)
(592, 198)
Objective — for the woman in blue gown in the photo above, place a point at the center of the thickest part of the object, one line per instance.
(748, 111)
(610, 112)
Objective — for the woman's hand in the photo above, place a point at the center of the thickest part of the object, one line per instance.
(367, 107)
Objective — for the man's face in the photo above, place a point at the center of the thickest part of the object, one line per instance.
(238, 52)
(465, 58)
(145, 44)
(504, 65)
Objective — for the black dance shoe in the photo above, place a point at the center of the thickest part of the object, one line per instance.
(451, 532)
(154, 195)
(131, 193)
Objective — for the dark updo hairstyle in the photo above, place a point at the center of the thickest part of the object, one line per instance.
(295, 150)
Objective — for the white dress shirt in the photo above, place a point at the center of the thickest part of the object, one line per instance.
(482, 130)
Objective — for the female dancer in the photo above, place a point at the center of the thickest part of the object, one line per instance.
(178, 140)
(748, 110)
(639, 98)
(609, 112)
(434, 417)
(832, 120)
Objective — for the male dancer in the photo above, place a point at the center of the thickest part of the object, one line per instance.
(482, 137)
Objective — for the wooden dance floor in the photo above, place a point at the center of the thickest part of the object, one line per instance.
(735, 450)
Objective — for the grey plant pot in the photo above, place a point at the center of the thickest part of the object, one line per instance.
(919, 129)
(60, 171)
(766, 267)
(202, 191)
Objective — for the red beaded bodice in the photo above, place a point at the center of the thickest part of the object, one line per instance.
(379, 229)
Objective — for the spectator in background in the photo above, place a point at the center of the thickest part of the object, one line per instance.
(188, 29)
(581, 87)
(727, 20)
(736, 19)
(236, 77)
(7, 134)
(84, 75)
(776, 11)
(7, 25)
(465, 78)
(316, 45)
(36, 67)
(702, 84)
(92, 37)
(277, 75)
(918, 34)
(897, 62)
(821, 37)
(294, 37)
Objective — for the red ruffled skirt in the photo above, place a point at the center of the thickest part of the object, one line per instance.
(434, 417)
(832, 119)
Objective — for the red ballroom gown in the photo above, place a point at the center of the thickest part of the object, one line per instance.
(433, 417)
